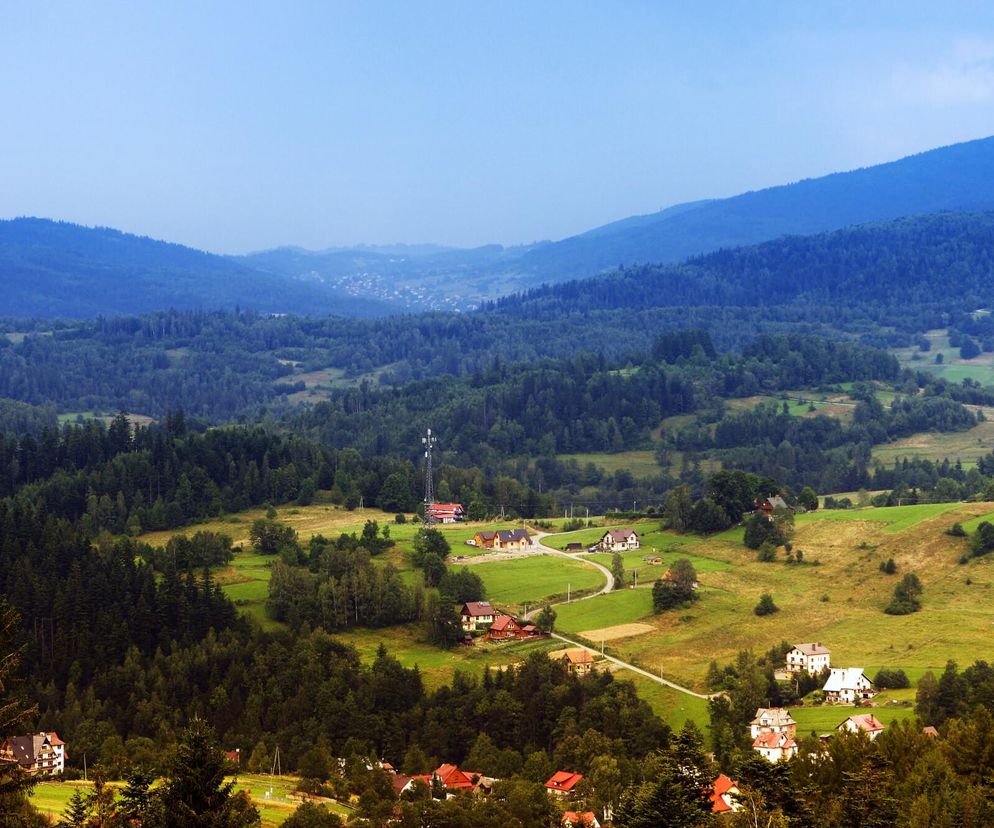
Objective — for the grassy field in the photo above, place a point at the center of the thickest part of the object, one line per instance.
(51, 798)
(966, 446)
(954, 369)
(437, 666)
(824, 718)
(836, 597)
(511, 584)
(641, 463)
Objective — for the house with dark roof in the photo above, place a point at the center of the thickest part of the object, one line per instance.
(476, 614)
(42, 753)
(619, 540)
(512, 539)
(811, 658)
(562, 783)
(484, 538)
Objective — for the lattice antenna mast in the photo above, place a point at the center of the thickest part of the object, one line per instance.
(428, 442)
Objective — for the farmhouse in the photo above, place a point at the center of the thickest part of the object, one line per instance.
(512, 539)
(619, 540)
(863, 723)
(476, 614)
(772, 720)
(770, 504)
(445, 512)
(577, 661)
(722, 796)
(38, 753)
(454, 779)
(775, 746)
(504, 628)
(484, 538)
(562, 783)
(812, 658)
(848, 685)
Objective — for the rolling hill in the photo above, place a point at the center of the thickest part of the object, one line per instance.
(56, 269)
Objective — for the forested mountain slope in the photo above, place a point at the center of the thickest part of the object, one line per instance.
(954, 178)
(56, 269)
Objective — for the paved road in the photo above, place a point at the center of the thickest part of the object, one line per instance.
(608, 587)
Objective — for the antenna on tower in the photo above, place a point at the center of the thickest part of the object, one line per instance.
(428, 442)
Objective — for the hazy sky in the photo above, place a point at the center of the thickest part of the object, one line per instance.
(234, 126)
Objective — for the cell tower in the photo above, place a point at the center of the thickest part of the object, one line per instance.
(428, 442)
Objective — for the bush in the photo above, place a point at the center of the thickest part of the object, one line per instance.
(888, 567)
(400, 518)
(767, 553)
(766, 605)
(891, 679)
(906, 595)
(956, 530)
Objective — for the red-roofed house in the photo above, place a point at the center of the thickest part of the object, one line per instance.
(775, 746)
(504, 628)
(476, 614)
(454, 779)
(585, 819)
(562, 783)
(863, 723)
(445, 512)
(619, 540)
(723, 793)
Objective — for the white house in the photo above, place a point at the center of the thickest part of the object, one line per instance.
(812, 658)
(775, 747)
(38, 753)
(863, 723)
(848, 685)
(772, 720)
(476, 614)
(619, 540)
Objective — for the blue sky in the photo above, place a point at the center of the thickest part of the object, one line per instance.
(242, 126)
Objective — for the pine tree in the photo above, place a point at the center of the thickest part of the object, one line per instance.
(196, 795)
(77, 812)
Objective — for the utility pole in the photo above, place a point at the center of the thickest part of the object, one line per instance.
(428, 442)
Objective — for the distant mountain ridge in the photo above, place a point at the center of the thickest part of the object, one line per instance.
(52, 268)
(58, 269)
(959, 177)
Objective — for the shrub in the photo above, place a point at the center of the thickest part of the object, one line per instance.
(891, 679)
(906, 595)
(766, 553)
(888, 567)
(956, 530)
(400, 518)
(766, 605)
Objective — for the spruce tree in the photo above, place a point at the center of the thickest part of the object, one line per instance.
(196, 795)
(14, 782)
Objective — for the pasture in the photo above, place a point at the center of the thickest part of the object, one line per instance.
(837, 596)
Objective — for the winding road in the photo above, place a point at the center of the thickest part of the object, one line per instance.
(608, 587)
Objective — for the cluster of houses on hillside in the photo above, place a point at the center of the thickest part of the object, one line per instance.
(773, 730)
(563, 786)
(42, 754)
(844, 685)
(482, 616)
